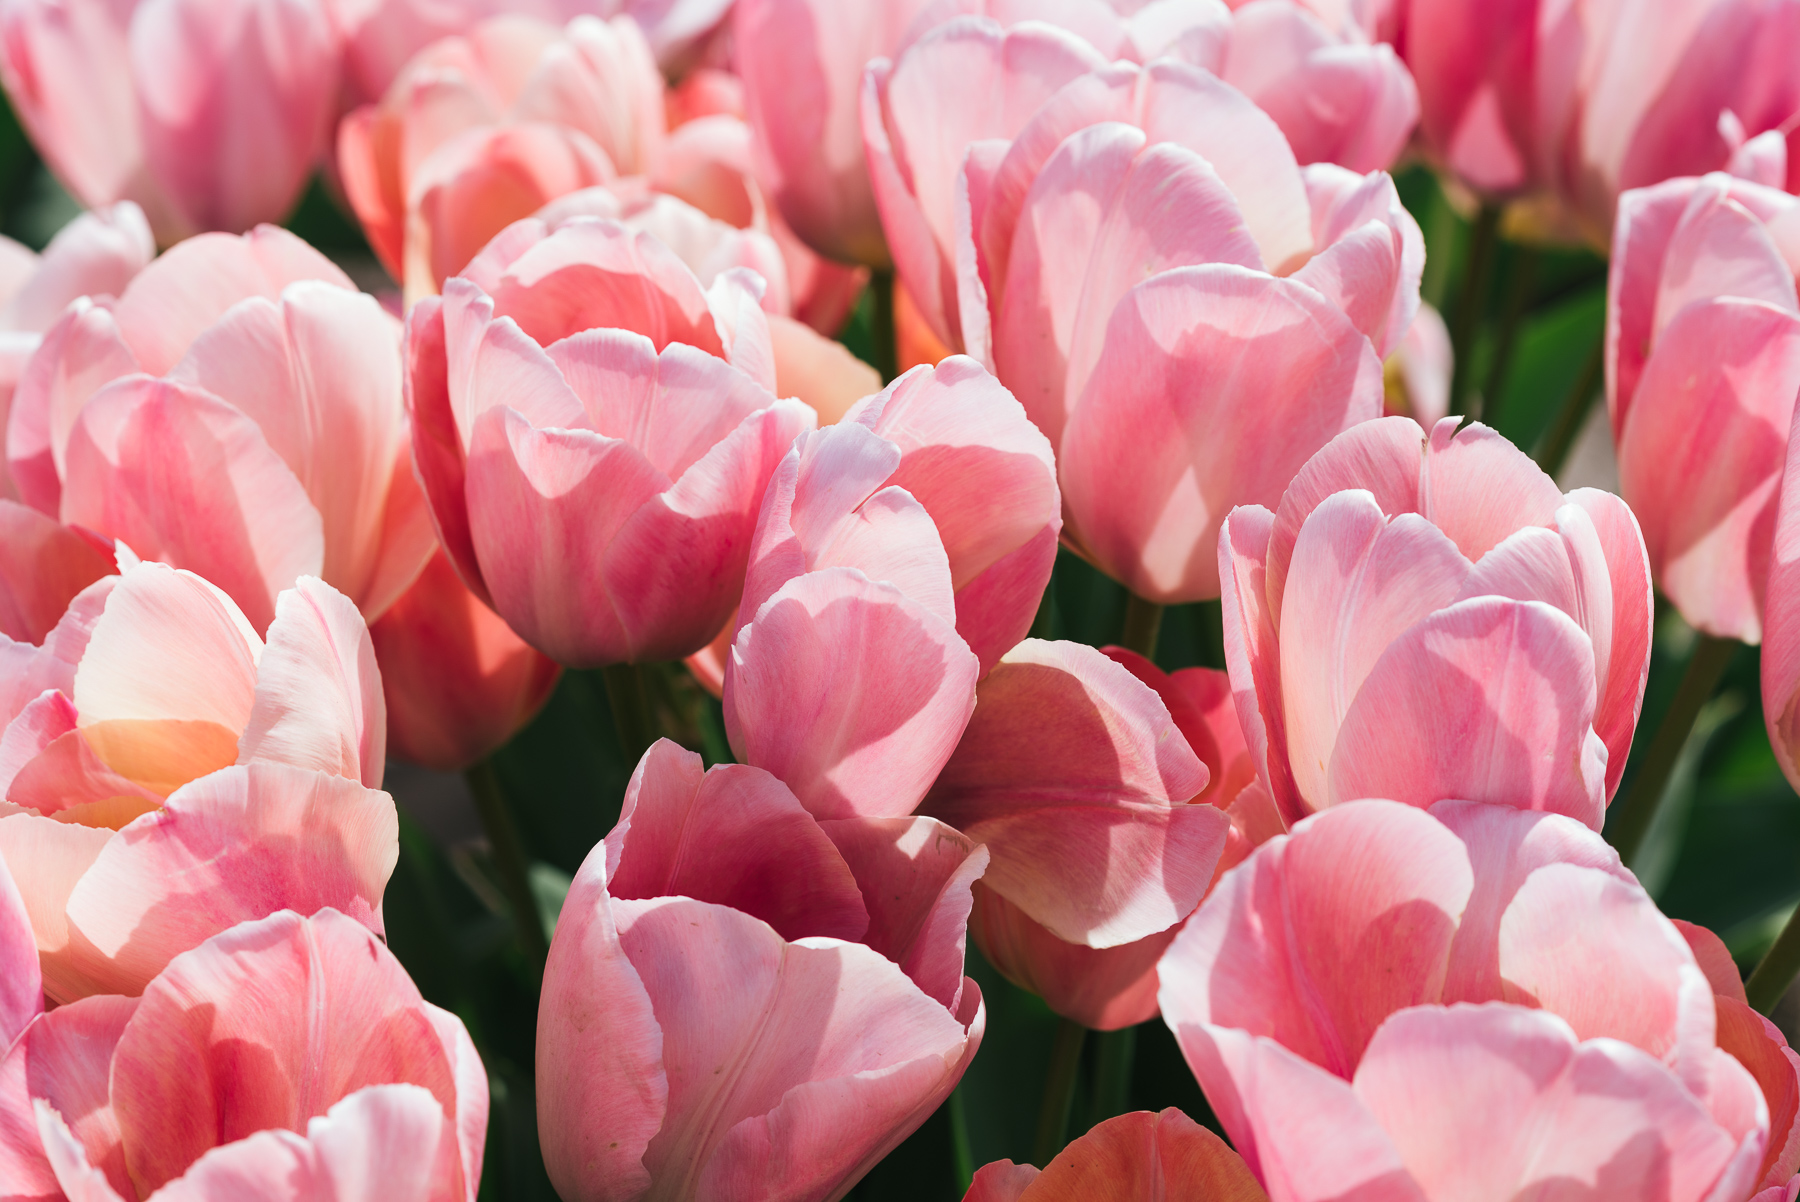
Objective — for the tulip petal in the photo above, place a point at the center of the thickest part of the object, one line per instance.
(80, 1181)
(1759, 1046)
(1145, 1155)
(318, 691)
(1621, 640)
(79, 355)
(1322, 934)
(47, 859)
(68, 1063)
(1488, 700)
(42, 566)
(850, 692)
(734, 836)
(228, 848)
(180, 476)
(1715, 401)
(1252, 654)
(266, 1026)
(915, 875)
(1201, 363)
(1068, 772)
(22, 983)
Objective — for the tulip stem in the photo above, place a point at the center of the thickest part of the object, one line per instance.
(1777, 969)
(1559, 440)
(1143, 622)
(1471, 305)
(628, 695)
(959, 1139)
(1059, 1091)
(509, 862)
(1114, 1054)
(882, 334)
(1523, 279)
(1636, 812)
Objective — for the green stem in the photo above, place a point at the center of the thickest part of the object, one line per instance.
(1553, 451)
(887, 354)
(1777, 969)
(1636, 811)
(1059, 1091)
(509, 861)
(1143, 622)
(1114, 1054)
(960, 1150)
(1519, 286)
(629, 698)
(1471, 305)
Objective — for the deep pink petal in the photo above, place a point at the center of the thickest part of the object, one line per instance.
(1621, 638)
(42, 566)
(68, 1063)
(734, 836)
(1252, 654)
(850, 693)
(438, 449)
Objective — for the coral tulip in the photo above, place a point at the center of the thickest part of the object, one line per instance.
(288, 1058)
(1570, 105)
(594, 464)
(238, 412)
(1703, 368)
(1427, 616)
(457, 681)
(1353, 999)
(211, 114)
(1138, 1157)
(167, 773)
(774, 1005)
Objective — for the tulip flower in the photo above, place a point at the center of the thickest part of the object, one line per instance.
(96, 254)
(912, 541)
(237, 412)
(1570, 106)
(287, 1058)
(594, 464)
(1138, 1157)
(1417, 375)
(167, 773)
(1427, 616)
(211, 114)
(772, 1007)
(1703, 367)
(458, 682)
(1476, 1001)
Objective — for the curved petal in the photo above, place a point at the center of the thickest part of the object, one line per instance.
(439, 446)
(851, 693)
(266, 1026)
(1322, 934)
(231, 847)
(1759, 1046)
(43, 565)
(47, 859)
(1488, 700)
(22, 984)
(1145, 1155)
(1623, 668)
(734, 836)
(67, 1059)
(1252, 654)
(80, 354)
(1232, 380)
(1074, 775)
(180, 476)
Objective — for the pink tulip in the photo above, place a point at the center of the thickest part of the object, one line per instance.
(1418, 373)
(594, 464)
(211, 114)
(96, 254)
(1571, 105)
(43, 566)
(458, 682)
(288, 1058)
(769, 1008)
(167, 773)
(1138, 1157)
(1426, 616)
(238, 412)
(1703, 367)
(1474, 1002)
(972, 86)
(802, 65)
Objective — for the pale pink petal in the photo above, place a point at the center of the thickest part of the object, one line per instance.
(438, 443)
(267, 1025)
(1252, 653)
(734, 836)
(96, 254)
(851, 693)
(82, 353)
(1612, 567)
(987, 476)
(1073, 774)
(71, 780)
(318, 691)
(600, 78)
(1489, 700)
(1321, 935)
(471, 1116)
(47, 859)
(1712, 409)
(602, 1088)
(180, 476)
(916, 875)
(21, 985)
(80, 1181)
(68, 1063)
(233, 846)
(1718, 248)
(1201, 365)
(42, 566)
(1358, 581)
